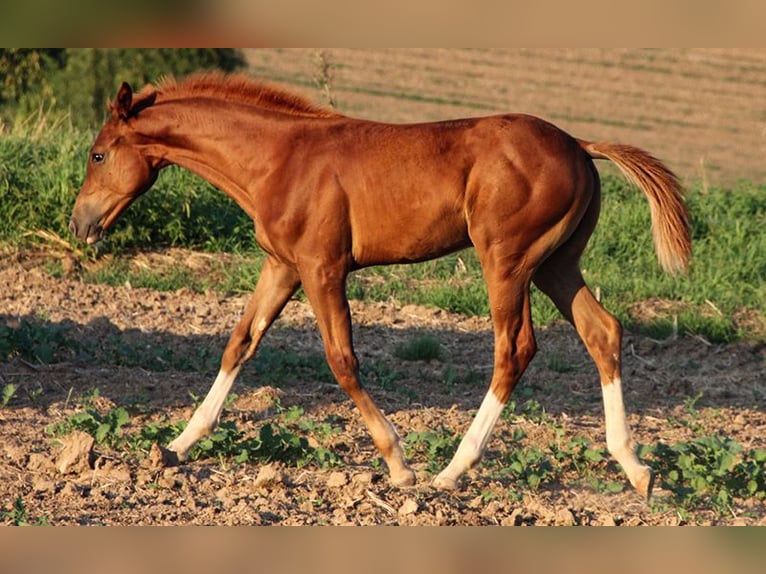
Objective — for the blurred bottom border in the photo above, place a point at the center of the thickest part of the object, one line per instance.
(124, 550)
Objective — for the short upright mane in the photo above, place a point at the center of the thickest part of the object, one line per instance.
(236, 87)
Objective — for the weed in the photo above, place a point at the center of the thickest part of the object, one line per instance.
(464, 377)
(419, 348)
(155, 433)
(35, 342)
(530, 410)
(275, 366)
(105, 429)
(438, 446)
(709, 471)
(529, 467)
(9, 391)
(274, 442)
(17, 515)
(381, 375)
(559, 364)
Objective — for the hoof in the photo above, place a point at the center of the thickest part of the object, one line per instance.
(403, 478)
(644, 483)
(169, 457)
(160, 457)
(444, 483)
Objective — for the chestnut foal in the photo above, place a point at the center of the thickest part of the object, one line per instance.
(330, 194)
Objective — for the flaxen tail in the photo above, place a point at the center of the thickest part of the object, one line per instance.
(670, 219)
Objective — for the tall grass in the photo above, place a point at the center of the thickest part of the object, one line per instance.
(40, 177)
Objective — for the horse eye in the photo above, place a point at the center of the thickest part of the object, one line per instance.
(97, 157)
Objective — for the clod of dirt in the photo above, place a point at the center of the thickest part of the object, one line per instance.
(160, 458)
(268, 477)
(39, 463)
(565, 517)
(77, 455)
(363, 478)
(409, 506)
(337, 479)
(112, 470)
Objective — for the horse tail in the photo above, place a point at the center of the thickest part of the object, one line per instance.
(670, 219)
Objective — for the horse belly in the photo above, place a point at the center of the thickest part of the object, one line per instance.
(408, 235)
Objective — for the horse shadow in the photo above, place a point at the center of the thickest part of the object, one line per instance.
(48, 362)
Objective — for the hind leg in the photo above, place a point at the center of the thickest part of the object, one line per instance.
(514, 348)
(601, 332)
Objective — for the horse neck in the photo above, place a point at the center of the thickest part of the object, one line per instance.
(209, 140)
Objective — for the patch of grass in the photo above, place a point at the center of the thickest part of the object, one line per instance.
(36, 341)
(50, 171)
(419, 348)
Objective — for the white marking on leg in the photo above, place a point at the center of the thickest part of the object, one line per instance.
(205, 418)
(617, 430)
(618, 435)
(474, 442)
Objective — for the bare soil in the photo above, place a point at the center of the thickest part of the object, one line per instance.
(71, 481)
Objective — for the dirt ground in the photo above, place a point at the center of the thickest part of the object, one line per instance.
(107, 486)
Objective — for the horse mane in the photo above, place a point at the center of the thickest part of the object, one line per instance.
(232, 87)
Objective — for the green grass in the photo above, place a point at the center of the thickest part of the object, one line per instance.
(282, 438)
(40, 177)
(419, 348)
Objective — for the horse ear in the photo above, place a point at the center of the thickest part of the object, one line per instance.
(123, 102)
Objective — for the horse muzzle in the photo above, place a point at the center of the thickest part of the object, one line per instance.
(89, 233)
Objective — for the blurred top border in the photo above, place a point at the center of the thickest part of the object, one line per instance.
(424, 23)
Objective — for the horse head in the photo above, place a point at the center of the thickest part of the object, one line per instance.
(118, 171)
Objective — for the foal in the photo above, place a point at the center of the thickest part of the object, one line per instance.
(330, 194)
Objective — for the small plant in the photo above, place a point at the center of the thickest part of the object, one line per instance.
(530, 409)
(35, 342)
(9, 391)
(275, 442)
(559, 364)
(437, 446)
(709, 471)
(17, 515)
(105, 429)
(466, 377)
(419, 348)
(529, 467)
(155, 433)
